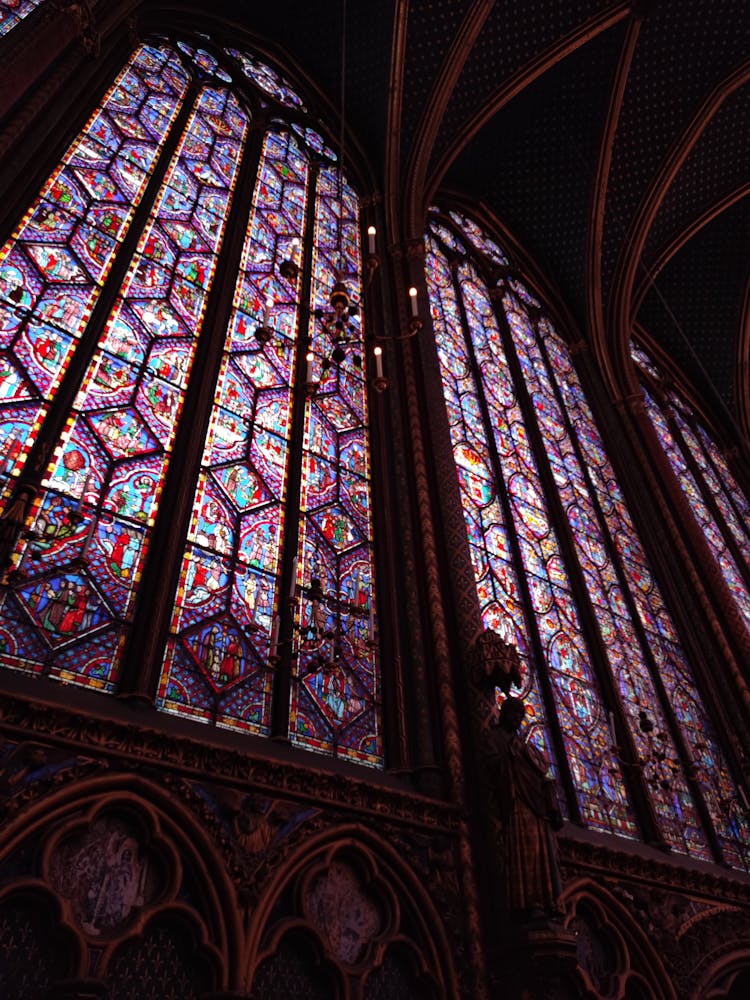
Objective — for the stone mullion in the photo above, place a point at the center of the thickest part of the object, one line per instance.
(419, 697)
(556, 735)
(29, 481)
(708, 497)
(143, 653)
(438, 627)
(282, 684)
(728, 627)
(385, 421)
(674, 727)
(629, 760)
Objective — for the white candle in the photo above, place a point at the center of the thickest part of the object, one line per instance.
(309, 359)
(378, 352)
(293, 585)
(413, 300)
(371, 240)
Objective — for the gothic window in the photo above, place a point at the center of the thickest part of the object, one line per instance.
(14, 11)
(560, 570)
(717, 502)
(179, 318)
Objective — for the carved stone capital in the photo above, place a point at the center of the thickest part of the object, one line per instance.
(494, 663)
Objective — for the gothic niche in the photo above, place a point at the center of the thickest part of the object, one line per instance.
(34, 950)
(295, 970)
(399, 977)
(598, 951)
(108, 870)
(342, 911)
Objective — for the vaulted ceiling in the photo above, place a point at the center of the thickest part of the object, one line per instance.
(611, 139)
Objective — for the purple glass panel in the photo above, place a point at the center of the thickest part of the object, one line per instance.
(595, 769)
(91, 524)
(53, 267)
(335, 701)
(216, 666)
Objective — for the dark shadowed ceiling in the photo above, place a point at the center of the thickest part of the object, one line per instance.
(611, 139)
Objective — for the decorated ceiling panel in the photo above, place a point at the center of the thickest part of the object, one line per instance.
(716, 167)
(712, 268)
(506, 46)
(543, 158)
(683, 52)
(430, 32)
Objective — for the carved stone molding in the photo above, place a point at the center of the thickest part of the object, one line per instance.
(495, 663)
(111, 740)
(594, 860)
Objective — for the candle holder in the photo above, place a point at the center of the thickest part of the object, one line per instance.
(263, 334)
(289, 269)
(379, 383)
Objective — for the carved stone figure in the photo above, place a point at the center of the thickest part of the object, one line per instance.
(104, 872)
(342, 911)
(526, 809)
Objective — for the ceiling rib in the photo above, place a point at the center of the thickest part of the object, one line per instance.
(621, 298)
(429, 124)
(546, 59)
(608, 350)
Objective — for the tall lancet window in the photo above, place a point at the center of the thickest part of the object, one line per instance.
(14, 11)
(179, 319)
(560, 570)
(717, 502)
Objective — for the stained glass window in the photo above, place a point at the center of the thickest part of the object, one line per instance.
(560, 570)
(217, 661)
(335, 699)
(717, 502)
(104, 291)
(14, 11)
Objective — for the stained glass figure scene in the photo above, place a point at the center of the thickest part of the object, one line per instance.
(54, 266)
(76, 570)
(217, 664)
(335, 704)
(508, 381)
(12, 12)
(716, 500)
(127, 365)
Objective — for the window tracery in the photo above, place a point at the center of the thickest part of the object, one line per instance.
(104, 292)
(561, 572)
(12, 12)
(716, 499)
